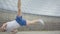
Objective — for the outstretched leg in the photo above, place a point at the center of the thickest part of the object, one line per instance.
(35, 21)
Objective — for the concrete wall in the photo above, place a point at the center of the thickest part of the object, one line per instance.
(51, 22)
(41, 7)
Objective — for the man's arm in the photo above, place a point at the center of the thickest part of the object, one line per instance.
(19, 8)
(3, 27)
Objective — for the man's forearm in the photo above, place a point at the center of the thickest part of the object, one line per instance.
(19, 8)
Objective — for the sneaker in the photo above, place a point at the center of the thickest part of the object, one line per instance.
(41, 21)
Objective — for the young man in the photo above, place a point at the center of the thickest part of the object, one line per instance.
(19, 21)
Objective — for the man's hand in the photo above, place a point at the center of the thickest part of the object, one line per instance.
(3, 27)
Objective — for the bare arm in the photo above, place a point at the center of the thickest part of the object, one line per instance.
(19, 8)
(3, 27)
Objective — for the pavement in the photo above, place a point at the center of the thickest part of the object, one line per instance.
(34, 32)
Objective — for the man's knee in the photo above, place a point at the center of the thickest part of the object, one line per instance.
(14, 31)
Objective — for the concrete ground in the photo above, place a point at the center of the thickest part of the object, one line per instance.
(34, 32)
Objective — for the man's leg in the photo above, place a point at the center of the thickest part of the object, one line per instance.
(34, 21)
(14, 31)
(19, 13)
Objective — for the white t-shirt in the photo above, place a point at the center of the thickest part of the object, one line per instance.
(12, 25)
